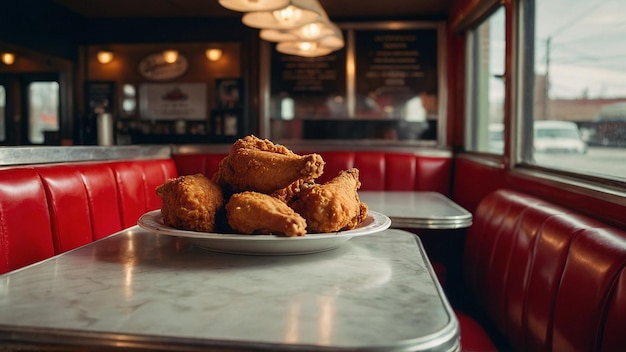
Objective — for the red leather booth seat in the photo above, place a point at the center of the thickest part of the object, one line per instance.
(379, 170)
(50, 209)
(547, 278)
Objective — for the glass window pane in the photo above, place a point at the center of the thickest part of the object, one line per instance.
(129, 99)
(3, 108)
(577, 72)
(486, 50)
(43, 110)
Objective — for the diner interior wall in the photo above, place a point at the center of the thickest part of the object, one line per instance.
(124, 69)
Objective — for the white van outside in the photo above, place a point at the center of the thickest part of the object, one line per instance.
(558, 137)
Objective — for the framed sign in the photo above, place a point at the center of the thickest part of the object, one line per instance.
(186, 101)
(229, 92)
(155, 68)
(394, 67)
(388, 82)
(308, 86)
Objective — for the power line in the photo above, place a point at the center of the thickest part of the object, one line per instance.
(579, 17)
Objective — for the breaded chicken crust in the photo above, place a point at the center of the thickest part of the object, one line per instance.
(259, 213)
(191, 202)
(259, 165)
(332, 206)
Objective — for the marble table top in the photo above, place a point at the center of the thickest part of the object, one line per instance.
(143, 290)
(418, 210)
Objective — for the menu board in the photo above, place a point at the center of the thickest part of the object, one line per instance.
(390, 90)
(313, 84)
(392, 67)
(308, 75)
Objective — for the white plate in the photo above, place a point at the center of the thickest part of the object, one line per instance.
(267, 244)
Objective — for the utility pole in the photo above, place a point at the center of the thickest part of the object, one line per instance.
(546, 81)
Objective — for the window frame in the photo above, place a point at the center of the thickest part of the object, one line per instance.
(520, 173)
(522, 131)
(472, 76)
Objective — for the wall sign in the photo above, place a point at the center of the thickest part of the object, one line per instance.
(385, 83)
(316, 85)
(394, 66)
(186, 101)
(155, 68)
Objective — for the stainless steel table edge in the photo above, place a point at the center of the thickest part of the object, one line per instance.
(448, 338)
(34, 338)
(460, 222)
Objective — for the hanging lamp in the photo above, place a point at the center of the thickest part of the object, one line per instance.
(253, 5)
(294, 15)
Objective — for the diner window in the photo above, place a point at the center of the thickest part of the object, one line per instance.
(573, 93)
(129, 99)
(485, 84)
(3, 109)
(43, 111)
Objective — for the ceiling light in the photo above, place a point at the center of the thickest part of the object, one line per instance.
(277, 35)
(296, 14)
(254, 5)
(170, 56)
(8, 58)
(307, 49)
(328, 38)
(105, 56)
(213, 54)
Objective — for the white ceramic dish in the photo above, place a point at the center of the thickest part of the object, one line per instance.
(267, 244)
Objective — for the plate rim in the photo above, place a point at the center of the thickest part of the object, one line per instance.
(379, 222)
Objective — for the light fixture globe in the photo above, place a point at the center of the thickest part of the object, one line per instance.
(213, 54)
(277, 35)
(302, 48)
(253, 5)
(105, 56)
(8, 58)
(170, 56)
(296, 14)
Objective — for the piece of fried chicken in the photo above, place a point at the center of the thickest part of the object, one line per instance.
(259, 165)
(191, 202)
(259, 213)
(332, 206)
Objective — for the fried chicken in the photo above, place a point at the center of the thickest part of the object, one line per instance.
(259, 165)
(289, 193)
(332, 206)
(258, 213)
(191, 202)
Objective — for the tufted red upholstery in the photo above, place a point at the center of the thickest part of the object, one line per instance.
(548, 278)
(379, 170)
(49, 209)
(198, 163)
(25, 232)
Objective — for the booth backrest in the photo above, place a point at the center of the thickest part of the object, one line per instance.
(548, 278)
(52, 208)
(379, 170)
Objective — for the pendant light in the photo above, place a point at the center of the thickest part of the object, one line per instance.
(296, 14)
(253, 5)
(303, 48)
(316, 39)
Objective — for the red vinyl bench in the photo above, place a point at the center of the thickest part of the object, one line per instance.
(542, 278)
(379, 170)
(48, 209)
